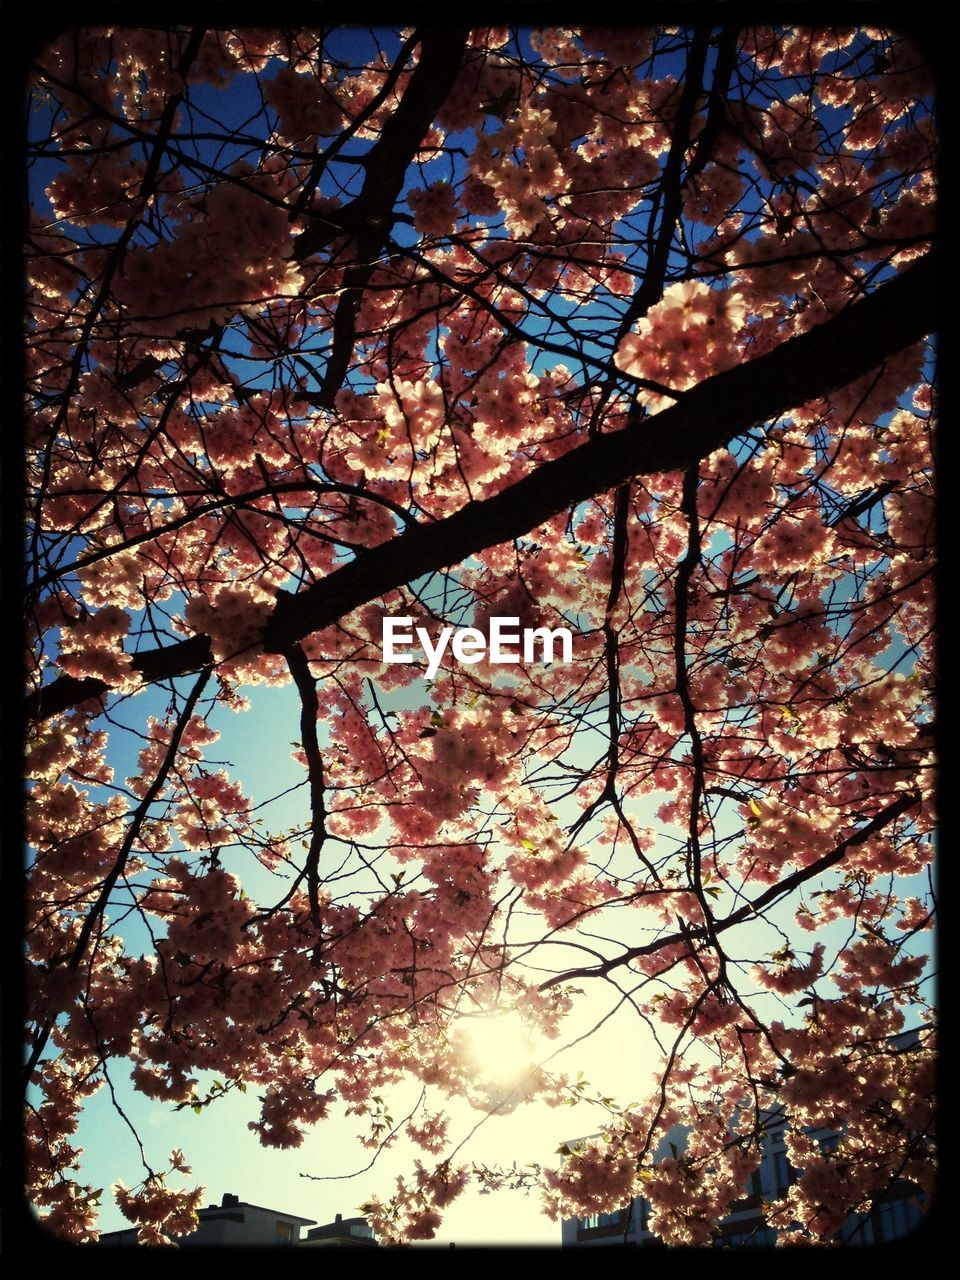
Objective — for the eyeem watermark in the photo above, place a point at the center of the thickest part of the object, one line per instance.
(469, 646)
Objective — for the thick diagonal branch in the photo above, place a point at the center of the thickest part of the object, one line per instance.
(850, 345)
(387, 162)
(369, 217)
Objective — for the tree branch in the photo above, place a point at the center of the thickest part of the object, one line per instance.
(309, 708)
(783, 887)
(369, 216)
(804, 368)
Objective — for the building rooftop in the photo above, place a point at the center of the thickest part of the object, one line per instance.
(230, 1202)
(343, 1231)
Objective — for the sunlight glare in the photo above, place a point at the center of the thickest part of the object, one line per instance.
(501, 1047)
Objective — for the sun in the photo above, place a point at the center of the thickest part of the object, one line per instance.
(499, 1048)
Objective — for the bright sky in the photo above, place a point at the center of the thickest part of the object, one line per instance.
(225, 1155)
(617, 1059)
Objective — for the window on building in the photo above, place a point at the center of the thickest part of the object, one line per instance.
(610, 1222)
(896, 1218)
(782, 1172)
(748, 1238)
(284, 1232)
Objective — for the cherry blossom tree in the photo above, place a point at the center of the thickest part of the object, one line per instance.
(623, 330)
